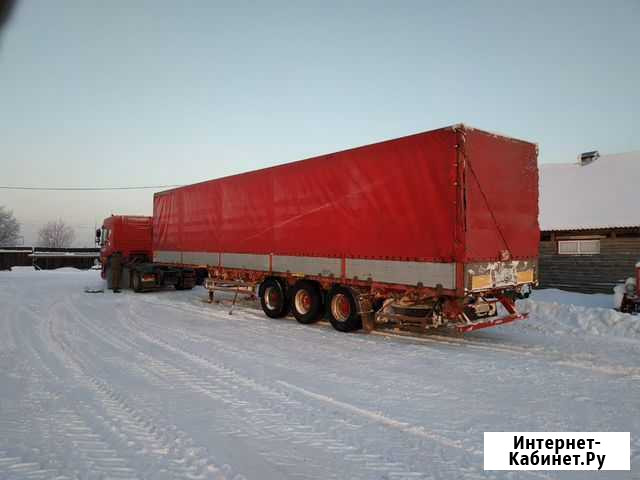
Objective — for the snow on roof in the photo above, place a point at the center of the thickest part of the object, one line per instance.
(64, 254)
(601, 194)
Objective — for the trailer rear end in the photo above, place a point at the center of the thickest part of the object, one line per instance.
(425, 231)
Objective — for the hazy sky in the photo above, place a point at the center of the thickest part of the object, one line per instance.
(97, 93)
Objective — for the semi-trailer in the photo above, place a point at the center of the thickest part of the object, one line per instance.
(425, 231)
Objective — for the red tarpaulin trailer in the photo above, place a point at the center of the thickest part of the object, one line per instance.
(445, 223)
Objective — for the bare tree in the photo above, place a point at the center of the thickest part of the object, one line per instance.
(9, 228)
(6, 6)
(56, 234)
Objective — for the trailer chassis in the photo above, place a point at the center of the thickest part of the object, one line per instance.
(440, 308)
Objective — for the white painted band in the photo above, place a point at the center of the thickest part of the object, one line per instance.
(430, 274)
(322, 266)
(247, 261)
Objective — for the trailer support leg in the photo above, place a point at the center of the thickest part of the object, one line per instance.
(235, 297)
(366, 313)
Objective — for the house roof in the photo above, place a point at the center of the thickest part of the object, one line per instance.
(602, 194)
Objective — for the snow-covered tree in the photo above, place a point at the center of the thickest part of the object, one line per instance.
(9, 228)
(56, 234)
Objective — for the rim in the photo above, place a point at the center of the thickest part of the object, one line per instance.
(340, 307)
(272, 298)
(302, 301)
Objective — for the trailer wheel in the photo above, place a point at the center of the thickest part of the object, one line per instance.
(136, 281)
(273, 298)
(186, 281)
(307, 302)
(343, 310)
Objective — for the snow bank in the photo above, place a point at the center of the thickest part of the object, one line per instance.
(553, 295)
(22, 269)
(557, 312)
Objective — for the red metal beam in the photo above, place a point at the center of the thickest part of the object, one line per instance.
(491, 323)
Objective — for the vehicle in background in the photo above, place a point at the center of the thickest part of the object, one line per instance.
(426, 231)
(627, 296)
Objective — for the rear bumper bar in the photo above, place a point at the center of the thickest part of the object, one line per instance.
(512, 316)
(491, 323)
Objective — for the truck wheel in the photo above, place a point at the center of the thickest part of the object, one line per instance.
(306, 302)
(273, 298)
(136, 281)
(186, 281)
(343, 311)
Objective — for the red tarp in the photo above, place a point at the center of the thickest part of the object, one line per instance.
(393, 200)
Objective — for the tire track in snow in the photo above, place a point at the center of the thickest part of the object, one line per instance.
(57, 434)
(435, 339)
(151, 448)
(277, 424)
(221, 391)
(370, 463)
(403, 426)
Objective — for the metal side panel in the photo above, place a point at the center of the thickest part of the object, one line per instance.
(322, 266)
(248, 261)
(166, 256)
(430, 274)
(201, 258)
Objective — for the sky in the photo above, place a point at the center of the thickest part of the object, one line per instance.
(162, 92)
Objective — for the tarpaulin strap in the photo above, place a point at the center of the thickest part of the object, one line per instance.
(486, 201)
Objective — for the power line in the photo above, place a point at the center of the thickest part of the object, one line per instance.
(146, 187)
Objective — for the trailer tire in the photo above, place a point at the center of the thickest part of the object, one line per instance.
(273, 298)
(187, 280)
(136, 281)
(343, 309)
(307, 302)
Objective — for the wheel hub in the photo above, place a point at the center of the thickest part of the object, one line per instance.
(340, 307)
(272, 298)
(302, 301)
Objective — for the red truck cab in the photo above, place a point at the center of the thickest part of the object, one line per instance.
(129, 235)
(132, 236)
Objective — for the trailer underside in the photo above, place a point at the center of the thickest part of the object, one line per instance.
(353, 304)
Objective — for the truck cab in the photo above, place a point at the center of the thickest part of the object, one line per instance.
(131, 236)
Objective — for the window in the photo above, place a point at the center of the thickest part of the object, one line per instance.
(579, 247)
(105, 237)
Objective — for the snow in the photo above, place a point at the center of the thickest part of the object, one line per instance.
(602, 194)
(579, 313)
(164, 385)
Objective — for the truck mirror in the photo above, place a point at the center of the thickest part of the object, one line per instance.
(98, 235)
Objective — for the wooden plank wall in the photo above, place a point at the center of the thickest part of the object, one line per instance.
(20, 257)
(15, 258)
(589, 273)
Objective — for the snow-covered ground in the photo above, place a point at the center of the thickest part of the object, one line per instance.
(163, 385)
